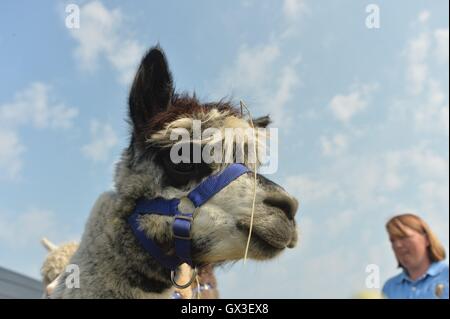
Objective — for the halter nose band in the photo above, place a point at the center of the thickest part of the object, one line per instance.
(182, 223)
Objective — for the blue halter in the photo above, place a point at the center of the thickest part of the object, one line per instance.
(182, 223)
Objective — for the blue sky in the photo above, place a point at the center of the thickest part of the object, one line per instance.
(362, 117)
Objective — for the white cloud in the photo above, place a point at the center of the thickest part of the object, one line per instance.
(392, 178)
(247, 3)
(28, 228)
(424, 16)
(340, 222)
(418, 53)
(362, 184)
(431, 111)
(293, 9)
(433, 192)
(441, 37)
(35, 105)
(94, 35)
(417, 69)
(428, 167)
(251, 68)
(125, 58)
(103, 140)
(263, 72)
(102, 33)
(418, 48)
(10, 155)
(287, 82)
(256, 74)
(392, 170)
(432, 115)
(334, 145)
(305, 229)
(310, 189)
(424, 162)
(344, 107)
(426, 104)
(364, 180)
(342, 265)
(427, 163)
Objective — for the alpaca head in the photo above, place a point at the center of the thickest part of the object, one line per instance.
(221, 226)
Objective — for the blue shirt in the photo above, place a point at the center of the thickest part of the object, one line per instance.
(432, 285)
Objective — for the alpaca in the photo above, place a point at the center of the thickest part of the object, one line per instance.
(113, 256)
(58, 258)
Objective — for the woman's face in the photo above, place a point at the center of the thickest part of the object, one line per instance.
(411, 250)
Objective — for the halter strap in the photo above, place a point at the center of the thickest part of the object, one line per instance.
(215, 183)
(182, 223)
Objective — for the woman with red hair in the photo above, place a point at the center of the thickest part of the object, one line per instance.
(420, 254)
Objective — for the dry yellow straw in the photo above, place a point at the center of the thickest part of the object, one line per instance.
(254, 184)
(198, 286)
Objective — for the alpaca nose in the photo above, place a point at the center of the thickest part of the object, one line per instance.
(283, 201)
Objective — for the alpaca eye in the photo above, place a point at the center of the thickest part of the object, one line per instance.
(184, 168)
(178, 168)
(180, 174)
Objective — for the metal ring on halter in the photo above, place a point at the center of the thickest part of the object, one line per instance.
(172, 278)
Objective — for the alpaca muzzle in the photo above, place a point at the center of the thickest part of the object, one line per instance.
(182, 223)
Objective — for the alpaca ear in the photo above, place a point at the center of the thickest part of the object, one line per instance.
(262, 121)
(152, 88)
